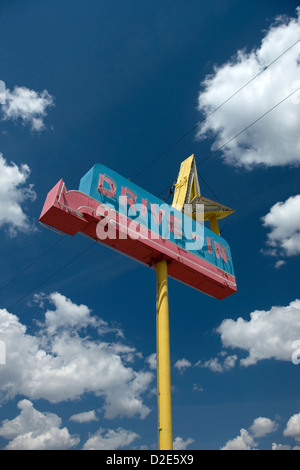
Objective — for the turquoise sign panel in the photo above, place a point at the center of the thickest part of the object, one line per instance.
(162, 220)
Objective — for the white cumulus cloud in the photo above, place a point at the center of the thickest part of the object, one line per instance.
(293, 427)
(268, 334)
(33, 430)
(262, 426)
(181, 444)
(110, 439)
(84, 417)
(27, 105)
(242, 442)
(13, 195)
(152, 361)
(283, 221)
(215, 365)
(274, 140)
(246, 439)
(182, 364)
(60, 363)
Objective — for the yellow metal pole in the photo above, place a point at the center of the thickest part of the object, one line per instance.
(165, 433)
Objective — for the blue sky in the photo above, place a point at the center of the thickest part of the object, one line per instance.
(118, 83)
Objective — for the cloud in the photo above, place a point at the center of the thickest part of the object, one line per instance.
(283, 220)
(85, 417)
(13, 194)
(27, 105)
(275, 140)
(292, 430)
(229, 362)
(152, 361)
(242, 442)
(181, 444)
(293, 427)
(33, 430)
(280, 446)
(182, 364)
(262, 426)
(246, 439)
(279, 263)
(284, 447)
(111, 440)
(68, 315)
(215, 365)
(268, 334)
(197, 388)
(61, 363)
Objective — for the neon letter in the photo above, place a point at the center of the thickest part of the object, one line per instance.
(144, 207)
(157, 218)
(209, 245)
(111, 192)
(125, 192)
(220, 251)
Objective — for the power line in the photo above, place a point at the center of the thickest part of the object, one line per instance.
(215, 110)
(233, 138)
(201, 162)
(160, 156)
(52, 275)
(252, 79)
(164, 152)
(32, 263)
(247, 127)
(169, 190)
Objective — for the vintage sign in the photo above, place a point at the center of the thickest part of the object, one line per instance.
(118, 213)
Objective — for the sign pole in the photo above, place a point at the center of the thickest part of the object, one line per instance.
(165, 434)
(93, 210)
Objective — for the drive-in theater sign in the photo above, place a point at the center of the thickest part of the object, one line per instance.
(118, 213)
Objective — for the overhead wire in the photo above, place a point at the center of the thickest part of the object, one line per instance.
(201, 162)
(195, 126)
(32, 263)
(212, 154)
(156, 159)
(169, 189)
(52, 275)
(247, 127)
